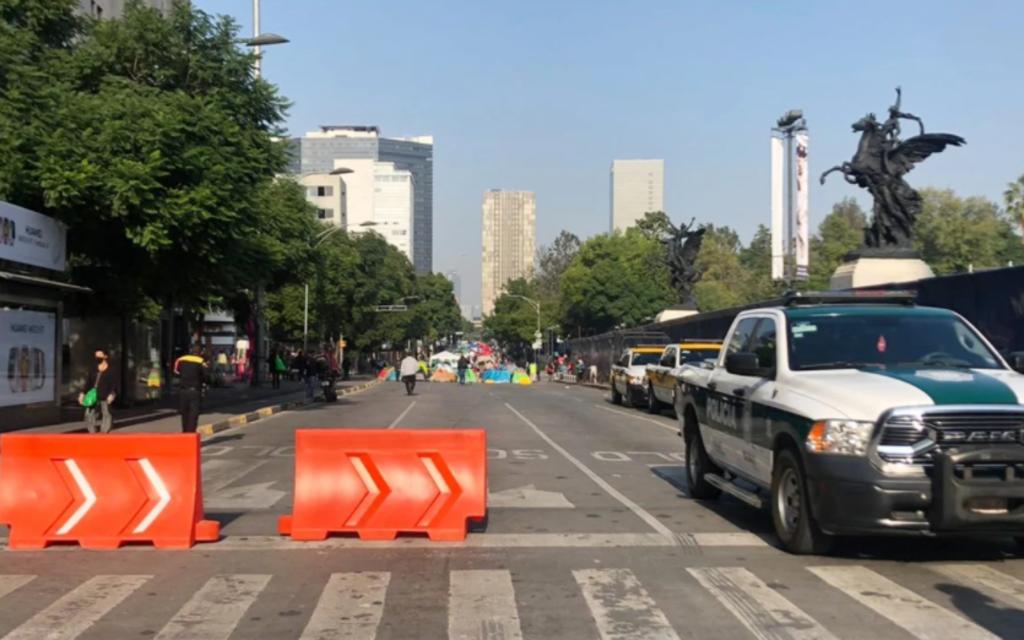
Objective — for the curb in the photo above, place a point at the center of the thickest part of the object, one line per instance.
(265, 412)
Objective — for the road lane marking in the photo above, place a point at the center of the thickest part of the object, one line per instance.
(350, 607)
(403, 414)
(219, 474)
(609, 489)
(995, 584)
(760, 608)
(673, 429)
(482, 605)
(9, 583)
(76, 611)
(728, 539)
(920, 617)
(472, 541)
(621, 607)
(215, 610)
(528, 497)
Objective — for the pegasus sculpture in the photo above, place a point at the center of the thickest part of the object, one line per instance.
(881, 161)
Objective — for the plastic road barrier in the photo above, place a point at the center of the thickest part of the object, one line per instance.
(103, 491)
(378, 482)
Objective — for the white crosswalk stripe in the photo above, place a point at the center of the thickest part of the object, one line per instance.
(482, 605)
(920, 617)
(994, 584)
(75, 612)
(761, 609)
(350, 607)
(622, 608)
(11, 583)
(214, 611)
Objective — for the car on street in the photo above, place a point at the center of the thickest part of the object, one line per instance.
(661, 375)
(629, 374)
(859, 414)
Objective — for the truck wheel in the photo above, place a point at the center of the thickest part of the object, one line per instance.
(616, 396)
(791, 508)
(653, 406)
(697, 464)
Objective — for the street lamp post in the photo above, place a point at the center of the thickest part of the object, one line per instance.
(537, 335)
(320, 238)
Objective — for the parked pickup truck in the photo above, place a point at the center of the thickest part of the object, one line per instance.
(859, 415)
(661, 376)
(629, 374)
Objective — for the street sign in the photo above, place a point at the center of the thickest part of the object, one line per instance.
(388, 308)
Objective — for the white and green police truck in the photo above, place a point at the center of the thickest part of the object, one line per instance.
(858, 414)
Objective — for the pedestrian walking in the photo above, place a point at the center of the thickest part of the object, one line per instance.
(191, 370)
(307, 370)
(99, 393)
(461, 368)
(407, 371)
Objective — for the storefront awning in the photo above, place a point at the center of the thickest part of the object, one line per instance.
(42, 282)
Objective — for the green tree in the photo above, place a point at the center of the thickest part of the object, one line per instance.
(435, 314)
(955, 234)
(614, 280)
(654, 224)
(151, 139)
(552, 261)
(514, 320)
(1014, 197)
(839, 233)
(726, 282)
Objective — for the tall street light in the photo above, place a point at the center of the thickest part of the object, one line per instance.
(536, 336)
(260, 40)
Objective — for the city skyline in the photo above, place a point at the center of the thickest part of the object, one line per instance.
(700, 86)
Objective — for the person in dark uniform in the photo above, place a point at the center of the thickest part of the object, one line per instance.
(191, 368)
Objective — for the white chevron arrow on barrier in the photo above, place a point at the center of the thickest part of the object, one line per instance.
(161, 490)
(86, 489)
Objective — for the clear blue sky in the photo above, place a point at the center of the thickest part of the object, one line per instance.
(543, 94)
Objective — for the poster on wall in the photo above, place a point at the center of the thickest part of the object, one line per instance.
(27, 343)
(31, 238)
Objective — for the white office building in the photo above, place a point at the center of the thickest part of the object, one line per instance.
(328, 194)
(359, 149)
(393, 206)
(637, 186)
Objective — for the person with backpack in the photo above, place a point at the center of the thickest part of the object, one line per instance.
(100, 392)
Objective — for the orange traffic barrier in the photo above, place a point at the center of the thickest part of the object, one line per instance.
(103, 491)
(378, 482)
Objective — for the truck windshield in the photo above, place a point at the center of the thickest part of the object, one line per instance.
(697, 355)
(645, 358)
(885, 339)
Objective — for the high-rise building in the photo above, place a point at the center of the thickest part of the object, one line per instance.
(509, 238)
(359, 149)
(456, 283)
(393, 206)
(637, 186)
(115, 8)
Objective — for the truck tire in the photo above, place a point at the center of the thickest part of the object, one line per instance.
(699, 463)
(791, 508)
(616, 396)
(653, 406)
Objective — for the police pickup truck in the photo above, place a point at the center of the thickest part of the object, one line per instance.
(859, 414)
(629, 375)
(661, 375)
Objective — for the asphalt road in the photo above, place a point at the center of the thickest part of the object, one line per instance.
(590, 534)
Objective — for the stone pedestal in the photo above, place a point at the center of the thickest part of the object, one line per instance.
(866, 269)
(675, 312)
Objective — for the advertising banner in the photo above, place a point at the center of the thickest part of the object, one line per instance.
(801, 224)
(27, 344)
(31, 238)
(778, 226)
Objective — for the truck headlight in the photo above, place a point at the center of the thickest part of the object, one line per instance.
(843, 437)
(636, 379)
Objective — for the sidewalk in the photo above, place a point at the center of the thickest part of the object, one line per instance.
(220, 406)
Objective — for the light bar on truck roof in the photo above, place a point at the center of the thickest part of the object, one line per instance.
(795, 298)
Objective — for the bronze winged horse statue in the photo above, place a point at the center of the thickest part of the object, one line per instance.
(881, 161)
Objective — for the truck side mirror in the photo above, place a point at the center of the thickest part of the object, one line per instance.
(1017, 361)
(744, 364)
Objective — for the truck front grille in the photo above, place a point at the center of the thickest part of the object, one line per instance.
(914, 435)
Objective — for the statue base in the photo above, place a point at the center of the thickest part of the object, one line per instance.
(872, 267)
(676, 311)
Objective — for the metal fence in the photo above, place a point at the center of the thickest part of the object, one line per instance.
(993, 301)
